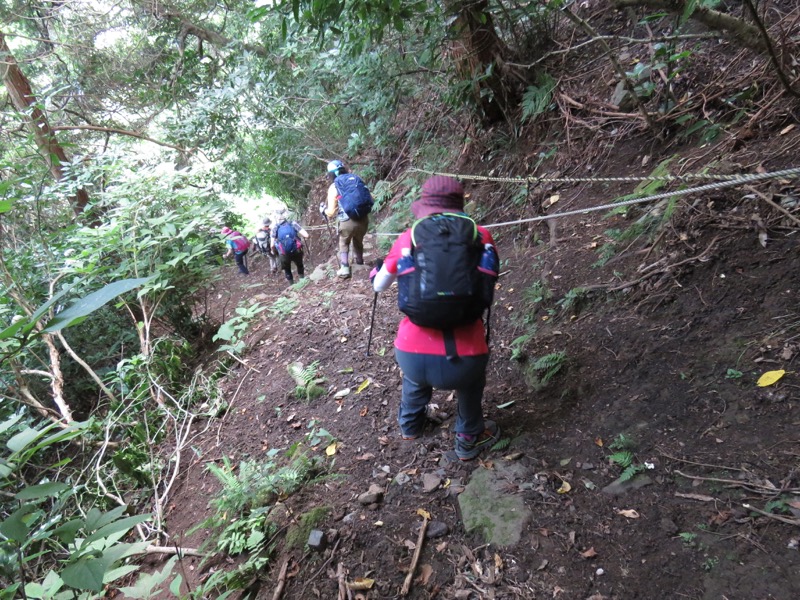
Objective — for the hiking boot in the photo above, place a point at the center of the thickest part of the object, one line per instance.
(469, 446)
(343, 272)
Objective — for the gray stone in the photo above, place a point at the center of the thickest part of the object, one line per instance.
(618, 487)
(430, 482)
(317, 540)
(371, 496)
(436, 529)
(486, 508)
(402, 478)
(622, 98)
(319, 273)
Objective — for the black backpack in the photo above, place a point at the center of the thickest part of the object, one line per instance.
(287, 238)
(354, 197)
(448, 280)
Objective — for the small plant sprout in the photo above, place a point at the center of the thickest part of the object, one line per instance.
(733, 374)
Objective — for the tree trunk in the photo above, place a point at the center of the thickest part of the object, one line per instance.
(479, 56)
(19, 89)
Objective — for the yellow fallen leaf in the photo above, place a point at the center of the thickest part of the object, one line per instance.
(424, 513)
(598, 442)
(361, 583)
(363, 386)
(628, 513)
(565, 487)
(331, 450)
(770, 377)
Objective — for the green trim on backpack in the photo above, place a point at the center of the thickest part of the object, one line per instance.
(447, 214)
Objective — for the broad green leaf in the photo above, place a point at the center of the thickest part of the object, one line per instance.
(118, 572)
(10, 422)
(15, 527)
(87, 305)
(67, 532)
(87, 573)
(22, 439)
(5, 205)
(121, 526)
(43, 490)
(96, 519)
(175, 586)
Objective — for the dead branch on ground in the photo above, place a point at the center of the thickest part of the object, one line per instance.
(415, 559)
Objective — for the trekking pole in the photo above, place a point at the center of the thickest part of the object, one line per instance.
(372, 321)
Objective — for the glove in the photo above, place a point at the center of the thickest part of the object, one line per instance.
(375, 269)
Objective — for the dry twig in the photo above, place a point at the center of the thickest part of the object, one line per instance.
(415, 559)
(281, 580)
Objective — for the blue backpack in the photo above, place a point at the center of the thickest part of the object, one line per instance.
(287, 238)
(354, 197)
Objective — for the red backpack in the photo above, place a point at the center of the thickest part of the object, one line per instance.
(240, 243)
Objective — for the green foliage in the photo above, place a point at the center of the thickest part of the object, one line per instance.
(307, 379)
(733, 374)
(233, 330)
(625, 456)
(572, 299)
(298, 533)
(517, 346)
(537, 98)
(42, 531)
(539, 372)
(501, 444)
(283, 307)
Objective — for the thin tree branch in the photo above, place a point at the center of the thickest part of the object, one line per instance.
(771, 49)
(135, 134)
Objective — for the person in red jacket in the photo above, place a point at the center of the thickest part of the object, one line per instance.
(421, 353)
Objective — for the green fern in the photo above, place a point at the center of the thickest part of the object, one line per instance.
(537, 98)
(630, 471)
(622, 442)
(502, 444)
(549, 365)
(623, 458)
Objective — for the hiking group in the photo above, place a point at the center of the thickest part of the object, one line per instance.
(446, 267)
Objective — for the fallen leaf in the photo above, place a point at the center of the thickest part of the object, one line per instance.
(513, 456)
(383, 440)
(424, 514)
(361, 583)
(331, 449)
(378, 523)
(701, 497)
(506, 404)
(343, 340)
(628, 513)
(787, 129)
(590, 553)
(441, 547)
(346, 370)
(342, 393)
(363, 386)
(565, 461)
(565, 487)
(425, 572)
(598, 442)
(498, 562)
(365, 456)
(543, 565)
(363, 412)
(770, 377)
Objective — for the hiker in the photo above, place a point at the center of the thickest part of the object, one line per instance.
(238, 246)
(286, 241)
(441, 342)
(263, 243)
(350, 202)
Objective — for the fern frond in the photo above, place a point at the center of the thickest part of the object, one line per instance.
(630, 471)
(624, 458)
(502, 444)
